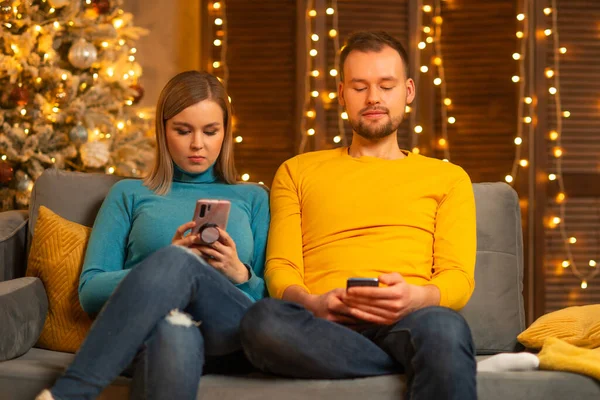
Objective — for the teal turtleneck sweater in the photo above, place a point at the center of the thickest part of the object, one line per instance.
(134, 222)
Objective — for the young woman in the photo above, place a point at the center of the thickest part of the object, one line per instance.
(166, 302)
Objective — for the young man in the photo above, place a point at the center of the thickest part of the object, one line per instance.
(369, 210)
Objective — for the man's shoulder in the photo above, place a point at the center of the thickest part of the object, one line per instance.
(315, 156)
(442, 168)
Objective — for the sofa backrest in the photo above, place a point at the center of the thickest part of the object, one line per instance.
(495, 312)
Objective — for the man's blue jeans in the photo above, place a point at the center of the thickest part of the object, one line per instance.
(432, 346)
(169, 350)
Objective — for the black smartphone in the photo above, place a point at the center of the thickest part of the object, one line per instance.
(353, 282)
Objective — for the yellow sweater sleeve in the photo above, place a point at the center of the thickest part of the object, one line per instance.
(285, 265)
(455, 245)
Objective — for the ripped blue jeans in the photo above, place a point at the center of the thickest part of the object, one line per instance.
(167, 349)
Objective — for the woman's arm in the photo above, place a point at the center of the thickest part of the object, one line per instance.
(106, 252)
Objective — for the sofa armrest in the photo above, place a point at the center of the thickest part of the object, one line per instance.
(13, 244)
(23, 309)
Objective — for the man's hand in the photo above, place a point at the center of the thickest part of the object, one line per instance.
(387, 305)
(328, 305)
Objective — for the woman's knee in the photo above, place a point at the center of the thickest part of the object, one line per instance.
(176, 335)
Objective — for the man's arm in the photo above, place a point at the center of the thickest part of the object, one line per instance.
(455, 245)
(285, 262)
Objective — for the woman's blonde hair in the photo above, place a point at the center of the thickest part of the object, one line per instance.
(184, 90)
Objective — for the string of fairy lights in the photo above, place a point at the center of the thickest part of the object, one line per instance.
(557, 152)
(520, 56)
(524, 117)
(220, 67)
(430, 24)
(315, 77)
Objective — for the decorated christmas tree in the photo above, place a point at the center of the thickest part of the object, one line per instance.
(68, 93)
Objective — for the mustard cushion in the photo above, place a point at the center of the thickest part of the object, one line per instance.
(579, 326)
(56, 257)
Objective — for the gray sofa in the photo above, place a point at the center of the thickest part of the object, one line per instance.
(495, 312)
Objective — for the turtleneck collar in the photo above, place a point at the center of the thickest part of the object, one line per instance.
(207, 176)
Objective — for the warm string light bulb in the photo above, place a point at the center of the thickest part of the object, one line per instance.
(557, 151)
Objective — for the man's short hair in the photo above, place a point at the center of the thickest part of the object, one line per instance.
(372, 41)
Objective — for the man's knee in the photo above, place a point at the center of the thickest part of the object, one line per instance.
(442, 329)
(266, 322)
(259, 319)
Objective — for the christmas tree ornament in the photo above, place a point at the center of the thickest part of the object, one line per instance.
(95, 154)
(78, 134)
(101, 6)
(23, 182)
(6, 10)
(138, 92)
(83, 54)
(6, 172)
(59, 3)
(20, 95)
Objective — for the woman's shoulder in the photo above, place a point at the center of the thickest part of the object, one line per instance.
(128, 184)
(252, 192)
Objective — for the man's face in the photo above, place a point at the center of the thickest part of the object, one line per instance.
(375, 92)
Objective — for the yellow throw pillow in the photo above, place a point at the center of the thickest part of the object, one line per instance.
(579, 326)
(56, 257)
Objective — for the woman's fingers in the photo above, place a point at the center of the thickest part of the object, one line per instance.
(182, 230)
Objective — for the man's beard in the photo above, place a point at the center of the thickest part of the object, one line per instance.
(376, 132)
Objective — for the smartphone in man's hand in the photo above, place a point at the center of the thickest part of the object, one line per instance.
(354, 282)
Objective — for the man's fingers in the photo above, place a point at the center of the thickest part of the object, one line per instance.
(376, 311)
(374, 293)
(372, 318)
(391, 278)
(389, 305)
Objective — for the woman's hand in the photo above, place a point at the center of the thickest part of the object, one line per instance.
(189, 241)
(222, 255)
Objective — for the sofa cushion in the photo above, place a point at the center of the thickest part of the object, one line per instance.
(496, 311)
(23, 308)
(56, 258)
(579, 326)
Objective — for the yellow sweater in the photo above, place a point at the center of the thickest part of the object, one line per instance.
(334, 217)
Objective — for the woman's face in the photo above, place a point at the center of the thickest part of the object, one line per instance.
(195, 136)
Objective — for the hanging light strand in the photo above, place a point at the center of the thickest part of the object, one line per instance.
(561, 197)
(524, 101)
(415, 128)
(336, 64)
(437, 45)
(306, 110)
(224, 43)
